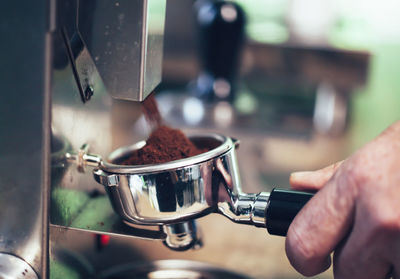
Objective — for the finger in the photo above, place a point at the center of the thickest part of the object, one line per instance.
(320, 226)
(313, 180)
(359, 256)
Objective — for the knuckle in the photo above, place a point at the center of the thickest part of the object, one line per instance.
(348, 181)
(387, 222)
(356, 173)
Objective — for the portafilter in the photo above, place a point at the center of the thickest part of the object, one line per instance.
(175, 193)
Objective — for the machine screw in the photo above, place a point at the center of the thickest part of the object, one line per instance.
(89, 91)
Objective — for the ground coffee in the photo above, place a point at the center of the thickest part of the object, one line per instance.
(151, 112)
(165, 144)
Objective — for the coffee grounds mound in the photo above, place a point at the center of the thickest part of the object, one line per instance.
(165, 144)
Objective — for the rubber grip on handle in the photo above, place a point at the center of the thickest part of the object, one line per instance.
(282, 208)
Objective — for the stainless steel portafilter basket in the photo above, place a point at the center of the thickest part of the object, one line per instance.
(177, 192)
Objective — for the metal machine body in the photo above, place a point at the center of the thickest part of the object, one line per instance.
(25, 133)
(61, 64)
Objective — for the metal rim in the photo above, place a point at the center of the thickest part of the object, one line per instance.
(12, 266)
(226, 144)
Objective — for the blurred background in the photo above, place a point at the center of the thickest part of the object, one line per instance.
(301, 83)
(312, 82)
(353, 43)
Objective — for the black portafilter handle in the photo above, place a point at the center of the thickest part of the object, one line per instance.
(282, 208)
(220, 37)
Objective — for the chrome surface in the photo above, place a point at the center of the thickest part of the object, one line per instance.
(182, 236)
(83, 159)
(181, 190)
(12, 267)
(83, 67)
(118, 229)
(258, 209)
(167, 269)
(25, 29)
(125, 40)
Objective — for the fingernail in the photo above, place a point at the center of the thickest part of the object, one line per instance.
(327, 263)
(300, 174)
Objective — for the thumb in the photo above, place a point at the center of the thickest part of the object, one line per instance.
(313, 180)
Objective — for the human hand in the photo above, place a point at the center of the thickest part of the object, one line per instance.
(355, 214)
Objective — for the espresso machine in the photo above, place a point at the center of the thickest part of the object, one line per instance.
(73, 73)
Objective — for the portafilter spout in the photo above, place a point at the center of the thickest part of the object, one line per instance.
(180, 191)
